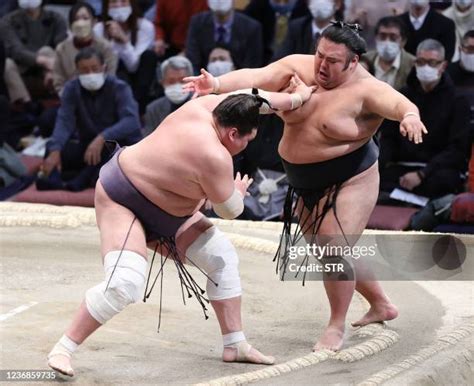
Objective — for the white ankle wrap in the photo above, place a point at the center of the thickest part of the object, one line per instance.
(233, 337)
(125, 287)
(215, 255)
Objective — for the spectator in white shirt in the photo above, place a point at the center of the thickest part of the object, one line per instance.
(132, 39)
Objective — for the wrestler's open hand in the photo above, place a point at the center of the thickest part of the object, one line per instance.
(412, 127)
(200, 85)
(93, 153)
(242, 183)
(301, 88)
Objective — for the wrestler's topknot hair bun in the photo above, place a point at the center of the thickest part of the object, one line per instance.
(240, 111)
(347, 34)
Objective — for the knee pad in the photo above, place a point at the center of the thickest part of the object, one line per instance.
(214, 254)
(125, 286)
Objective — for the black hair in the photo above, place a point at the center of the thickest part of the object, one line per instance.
(76, 7)
(392, 21)
(88, 53)
(468, 35)
(240, 111)
(347, 34)
(132, 21)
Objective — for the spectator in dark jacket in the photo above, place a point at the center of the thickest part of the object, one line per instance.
(274, 16)
(223, 26)
(435, 167)
(425, 23)
(94, 108)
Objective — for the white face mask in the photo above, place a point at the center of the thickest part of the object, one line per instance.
(463, 3)
(29, 4)
(427, 74)
(175, 93)
(220, 67)
(120, 14)
(419, 3)
(220, 6)
(467, 61)
(81, 28)
(321, 9)
(92, 82)
(387, 50)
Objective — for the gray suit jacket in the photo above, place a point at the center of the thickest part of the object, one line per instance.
(245, 45)
(407, 62)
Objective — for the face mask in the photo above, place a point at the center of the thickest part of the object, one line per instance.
(427, 74)
(467, 61)
(29, 4)
(419, 3)
(463, 3)
(220, 6)
(81, 28)
(220, 67)
(175, 93)
(120, 14)
(92, 82)
(282, 9)
(321, 9)
(387, 50)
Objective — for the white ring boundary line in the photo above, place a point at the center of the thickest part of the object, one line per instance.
(17, 310)
(447, 341)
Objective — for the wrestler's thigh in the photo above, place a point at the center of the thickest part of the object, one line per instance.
(114, 222)
(186, 235)
(354, 204)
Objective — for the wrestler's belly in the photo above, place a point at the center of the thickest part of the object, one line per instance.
(298, 151)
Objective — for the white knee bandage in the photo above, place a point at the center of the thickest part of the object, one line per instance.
(215, 255)
(125, 287)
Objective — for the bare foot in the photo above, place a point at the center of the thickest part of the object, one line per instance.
(378, 313)
(243, 352)
(61, 363)
(331, 339)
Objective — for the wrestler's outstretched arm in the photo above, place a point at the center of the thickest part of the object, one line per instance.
(296, 94)
(273, 77)
(382, 99)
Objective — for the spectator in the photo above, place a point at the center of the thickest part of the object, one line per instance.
(462, 73)
(367, 12)
(172, 72)
(132, 39)
(172, 22)
(222, 26)
(81, 20)
(304, 32)
(391, 62)
(274, 15)
(425, 23)
(441, 5)
(462, 13)
(220, 61)
(433, 168)
(94, 108)
(31, 34)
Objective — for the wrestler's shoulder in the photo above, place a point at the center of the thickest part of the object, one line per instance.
(296, 60)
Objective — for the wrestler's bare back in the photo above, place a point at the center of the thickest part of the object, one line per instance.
(333, 122)
(166, 166)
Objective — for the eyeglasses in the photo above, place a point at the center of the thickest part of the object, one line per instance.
(429, 62)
